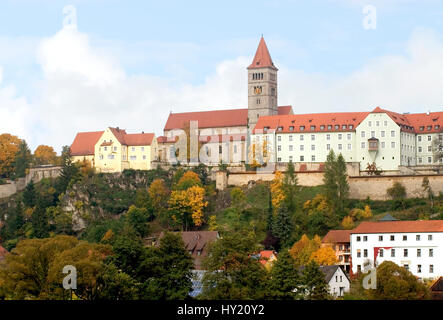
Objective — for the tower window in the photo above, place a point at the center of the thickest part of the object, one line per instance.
(258, 101)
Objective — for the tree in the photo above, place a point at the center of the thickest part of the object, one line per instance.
(324, 256)
(284, 278)
(138, 219)
(335, 180)
(238, 198)
(302, 250)
(45, 155)
(186, 206)
(165, 273)
(188, 180)
(9, 146)
(25, 273)
(213, 226)
(348, 223)
(40, 221)
(428, 190)
(314, 283)
(290, 188)
(30, 195)
(397, 193)
(282, 227)
(397, 283)
(22, 160)
(70, 172)
(232, 272)
(158, 194)
(277, 192)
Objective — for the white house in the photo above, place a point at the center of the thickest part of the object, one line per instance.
(414, 245)
(336, 279)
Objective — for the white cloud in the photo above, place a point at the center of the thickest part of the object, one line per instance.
(84, 88)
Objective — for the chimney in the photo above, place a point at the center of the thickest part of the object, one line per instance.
(118, 129)
(428, 112)
(143, 132)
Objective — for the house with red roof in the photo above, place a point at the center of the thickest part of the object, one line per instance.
(114, 150)
(340, 242)
(414, 245)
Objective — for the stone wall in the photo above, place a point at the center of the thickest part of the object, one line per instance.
(360, 187)
(35, 174)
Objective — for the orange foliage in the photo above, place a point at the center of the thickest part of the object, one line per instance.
(8, 148)
(45, 155)
(324, 256)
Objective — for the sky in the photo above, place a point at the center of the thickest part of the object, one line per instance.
(84, 65)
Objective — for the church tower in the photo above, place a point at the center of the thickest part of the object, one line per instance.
(262, 85)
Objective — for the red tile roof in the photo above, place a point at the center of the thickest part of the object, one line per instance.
(337, 236)
(297, 121)
(262, 57)
(429, 122)
(399, 226)
(215, 118)
(84, 143)
(265, 255)
(139, 139)
(163, 139)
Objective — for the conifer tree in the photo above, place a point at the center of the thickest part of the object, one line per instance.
(290, 187)
(22, 160)
(314, 283)
(29, 195)
(282, 227)
(284, 278)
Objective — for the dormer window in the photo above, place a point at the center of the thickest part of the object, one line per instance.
(322, 127)
(291, 128)
(437, 127)
(312, 128)
(336, 127)
(302, 128)
(422, 128)
(265, 129)
(329, 127)
(280, 129)
(344, 127)
(351, 126)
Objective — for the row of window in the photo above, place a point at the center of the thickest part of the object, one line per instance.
(115, 149)
(406, 266)
(302, 147)
(112, 157)
(313, 127)
(382, 134)
(328, 137)
(392, 238)
(302, 158)
(405, 253)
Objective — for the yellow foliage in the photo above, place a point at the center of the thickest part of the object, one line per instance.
(189, 201)
(347, 222)
(324, 256)
(189, 179)
(277, 192)
(8, 148)
(302, 250)
(318, 204)
(213, 223)
(45, 155)
(108, 235)
(158, 193)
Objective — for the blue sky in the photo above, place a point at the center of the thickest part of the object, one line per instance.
(129, 63)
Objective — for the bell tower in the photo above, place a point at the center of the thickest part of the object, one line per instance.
(262, 85)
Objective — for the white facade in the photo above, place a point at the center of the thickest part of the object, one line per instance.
(339, 283)
(420, 252)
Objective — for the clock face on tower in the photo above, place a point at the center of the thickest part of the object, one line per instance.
(257, 90)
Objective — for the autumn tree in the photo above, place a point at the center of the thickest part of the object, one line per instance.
(45, 155)
(9, 146)
(397, 283)
(277, 192)
(325, 256)
(158, 195)
(186, 206)
(348, 223)
(22, 160)
(188, 180)
(302, 250)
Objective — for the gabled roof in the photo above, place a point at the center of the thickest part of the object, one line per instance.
(265, 255)
(84, 143)
(399, 226)
(431, 122)
(215, 118)
(262, 58)
(336, 236)
(328, 271)
(400, 119)
(139, 139)
(320, 122)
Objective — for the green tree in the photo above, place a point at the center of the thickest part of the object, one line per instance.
(30, 195)
(138, 219)
(23, 159)
(40, 221)
(231, 271)
(165, 273)
(397, 193)
(314, 283)
(290, 188)
(335, 180)
(397, 283)
(70, 172)
(342, 182)
(284, 278)
(282, 227)
(16, 222)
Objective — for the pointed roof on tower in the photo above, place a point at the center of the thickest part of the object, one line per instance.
(262, 57)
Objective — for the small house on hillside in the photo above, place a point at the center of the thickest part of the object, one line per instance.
(340, 242)
(336, 278)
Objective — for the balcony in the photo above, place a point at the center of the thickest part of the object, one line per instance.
(373, 144)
